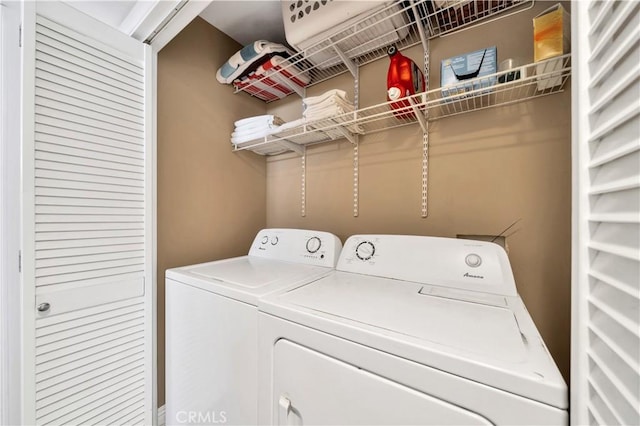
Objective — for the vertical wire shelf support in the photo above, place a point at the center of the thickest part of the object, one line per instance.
(303, 172)
(303, 185)
(424, 123)
(356, 147)
(425, 143)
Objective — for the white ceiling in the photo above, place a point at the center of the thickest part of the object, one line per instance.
(243, 20)
(246, 21)
(111, 12)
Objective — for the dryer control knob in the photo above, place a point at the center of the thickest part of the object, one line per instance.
(274, 241)
(365, 250)
(473, 260)
(265, 240)
(313, 244)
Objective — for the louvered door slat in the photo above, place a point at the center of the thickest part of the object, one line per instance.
(91, 84)
(87, 359)
(95, 411)
(53, 134)
(48, 49)
(84, 178)
(98, 380)
(114, 416)
(607, 33)
(87, 251)
(123, 154)
(78, 412)
(606, 330)
(89, 243)
(63, 61)
(89, 45)
(84, 258)
(80, 124)
(86, 218)
(53, 101)
(62, 83)
(110, 356)
(67, 355)
(61, 111)
(48, 191)
(76, 166)
(90, 277)
(82, 185)
(89, 232)
(50, 89)
(87, 202)
(65, 96)
(71, 156)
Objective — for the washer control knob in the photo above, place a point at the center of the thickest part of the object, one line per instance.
(365, 250)
(274, 241)
(473, 260)
(313, 244)
(265, 240)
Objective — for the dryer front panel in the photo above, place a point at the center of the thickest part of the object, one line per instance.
(311, 388)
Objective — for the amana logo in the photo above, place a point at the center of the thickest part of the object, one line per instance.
(473, 276)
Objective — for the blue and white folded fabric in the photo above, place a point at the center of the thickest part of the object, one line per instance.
(276, 78)
(250, 56)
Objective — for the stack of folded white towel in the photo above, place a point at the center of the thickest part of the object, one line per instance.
(329, 104)
(257, 127)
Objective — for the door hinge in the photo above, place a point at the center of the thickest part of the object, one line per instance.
(19, 35)
(19, 260)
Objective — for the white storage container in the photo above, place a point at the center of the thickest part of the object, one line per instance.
(355, 27)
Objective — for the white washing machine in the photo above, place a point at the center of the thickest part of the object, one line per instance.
(407, 330)
(212, 323)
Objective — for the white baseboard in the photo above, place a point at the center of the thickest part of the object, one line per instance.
(162, 421)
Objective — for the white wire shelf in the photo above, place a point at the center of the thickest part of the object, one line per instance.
(368, 39)
(533, 80)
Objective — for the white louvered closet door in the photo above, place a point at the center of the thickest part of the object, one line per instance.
(86, 248)
(606, 306)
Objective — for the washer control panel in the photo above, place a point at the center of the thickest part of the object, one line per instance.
(447, 262)
(297, 245)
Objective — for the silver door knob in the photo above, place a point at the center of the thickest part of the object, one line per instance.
(43, 307)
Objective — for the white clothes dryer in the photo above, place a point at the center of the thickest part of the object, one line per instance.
(407, 330)
(212, 323)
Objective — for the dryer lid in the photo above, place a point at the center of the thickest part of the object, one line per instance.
(483, 326)
(487, 338)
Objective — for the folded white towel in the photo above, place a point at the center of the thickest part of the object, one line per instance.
(318, 114)
(328, 103)
(258, 120)
(252, 136)
(252, 131)
(257, 127)
(326, 95)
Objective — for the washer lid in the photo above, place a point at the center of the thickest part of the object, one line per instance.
(252, 272)
(487, 338)
(246, 278)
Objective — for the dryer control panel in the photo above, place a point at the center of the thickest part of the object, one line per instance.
(446, 262)
(297, 245)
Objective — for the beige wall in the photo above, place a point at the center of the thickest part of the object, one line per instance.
(211, 201)
(487, 169)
